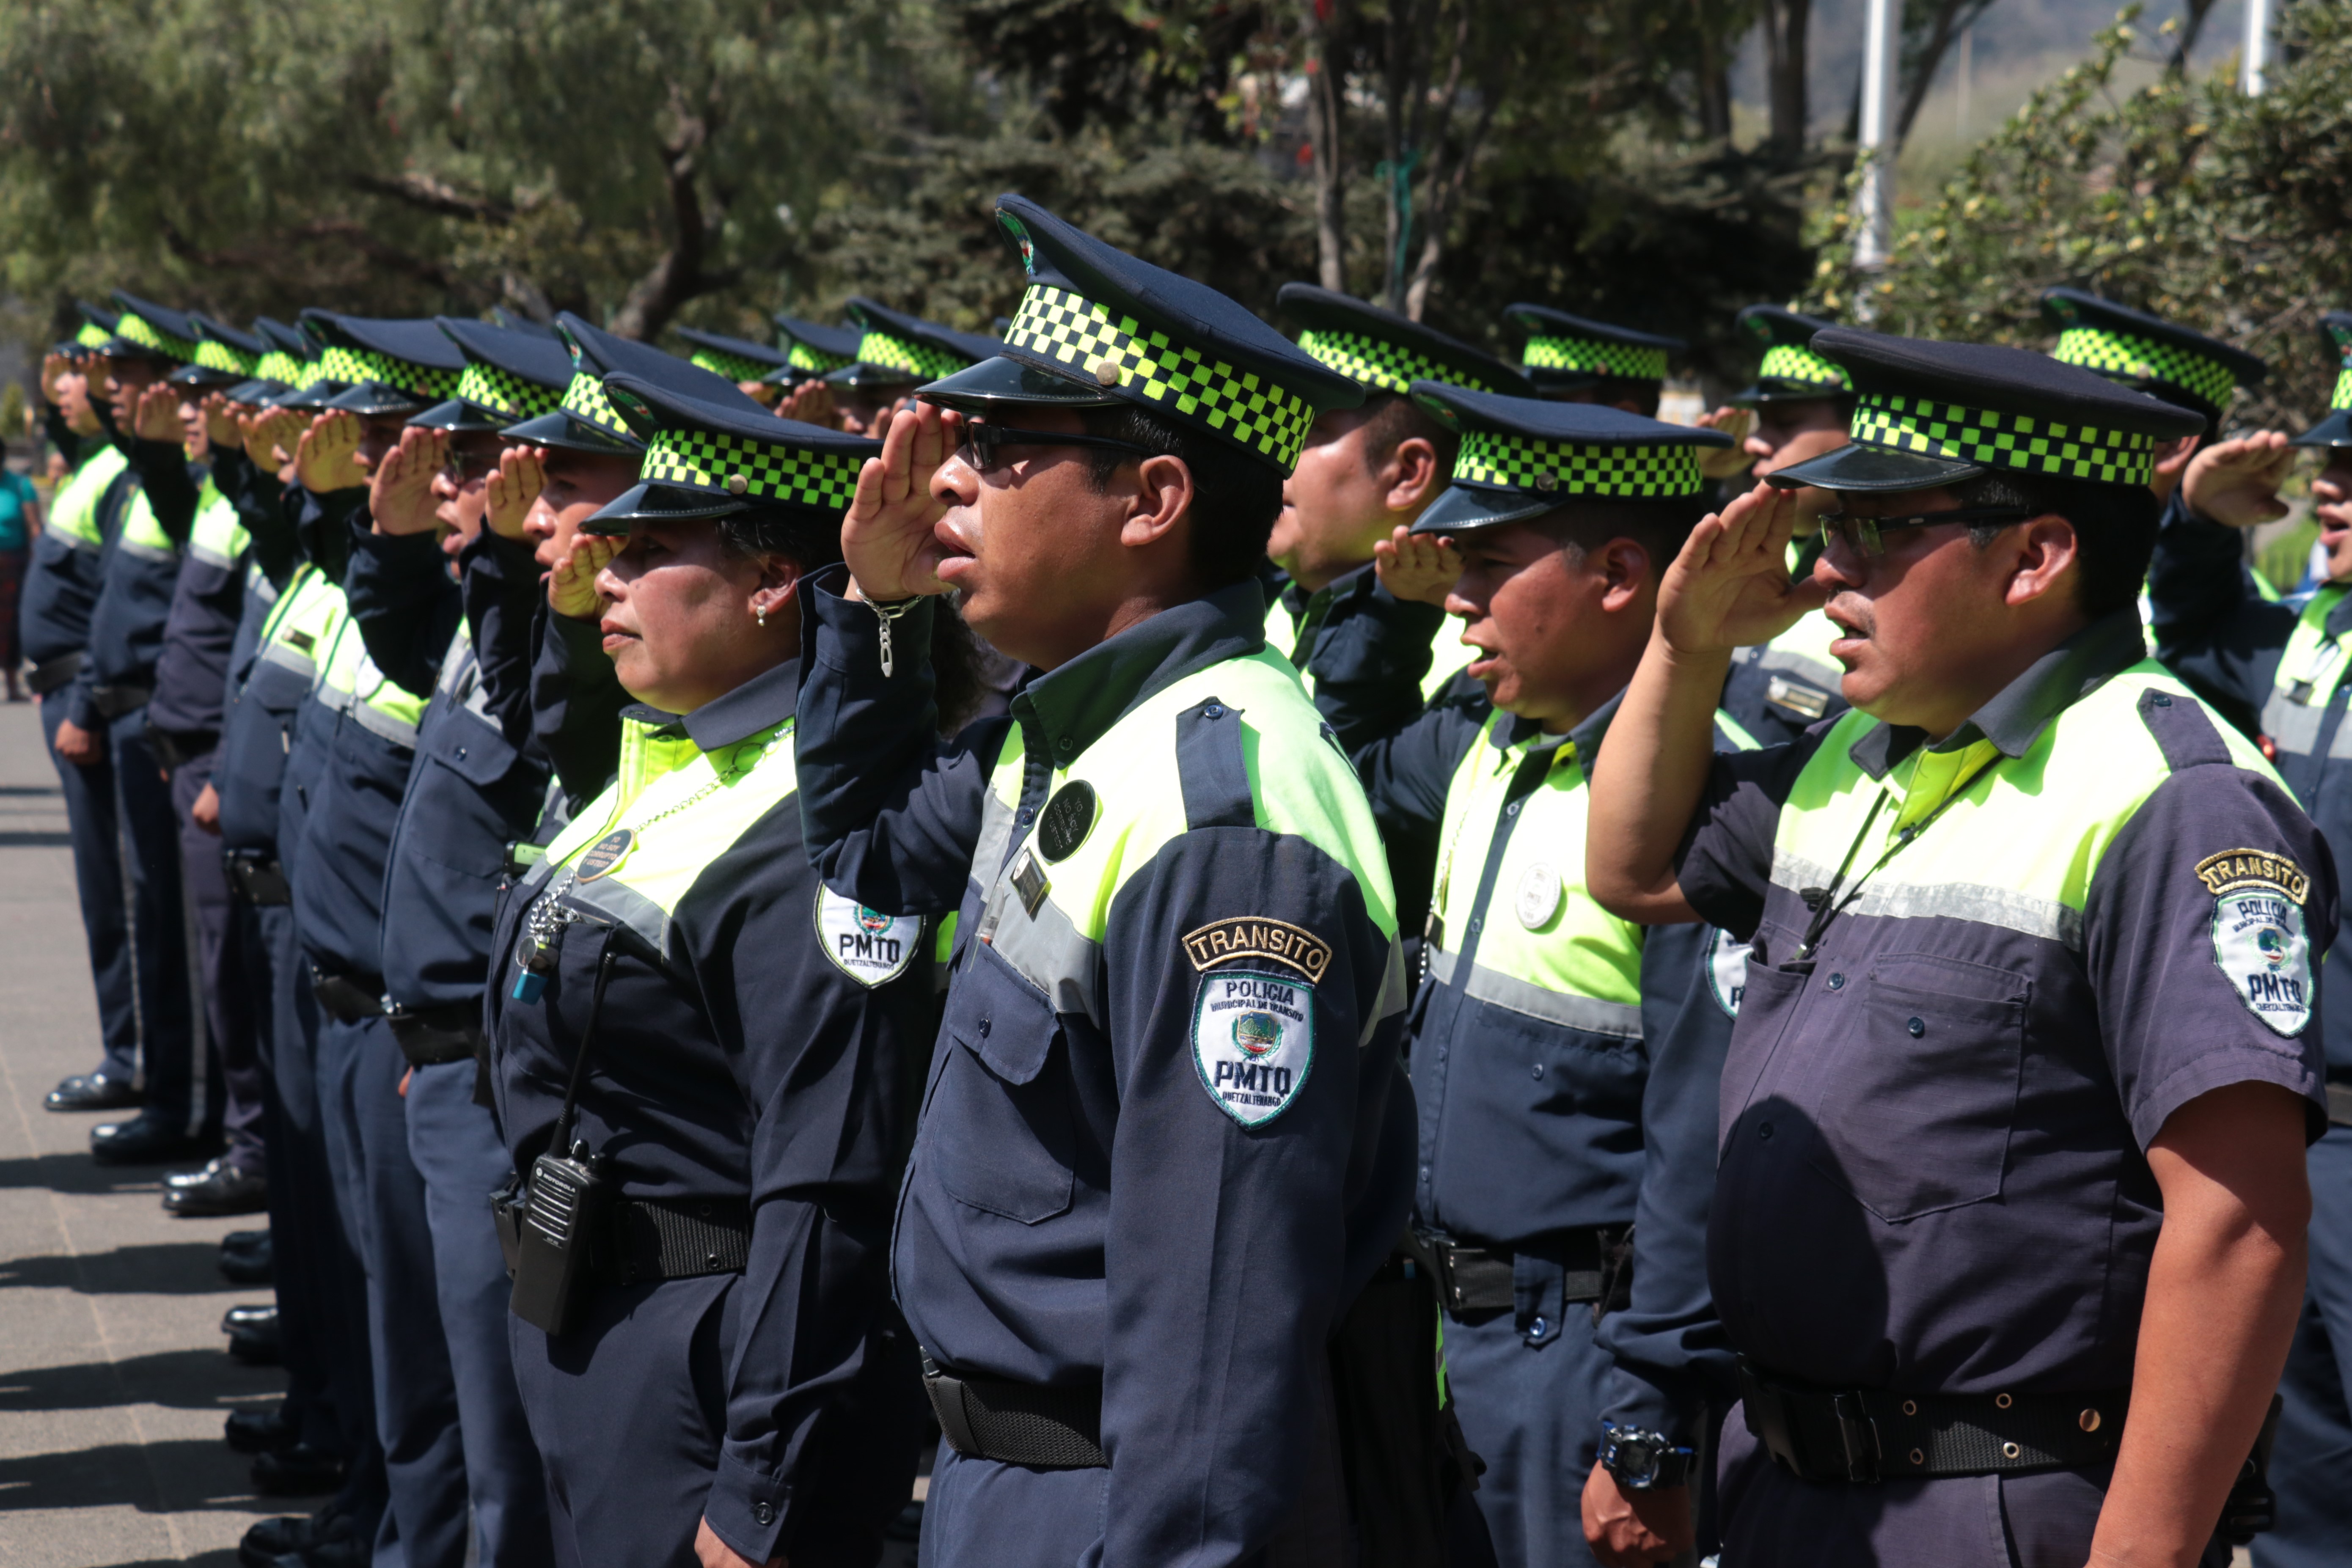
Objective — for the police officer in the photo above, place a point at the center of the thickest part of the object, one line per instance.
(2163, 359)
(895, 353)
(812, 352)
(1166, 1139)
(2008, 1224)
(1555, 1050)
(750, 366)
(1797, 408)
(2282, 661)
(705, 1063)
(475, 786)
(1572, 359)
(61, 587)
(109, 700)
(1367, 472)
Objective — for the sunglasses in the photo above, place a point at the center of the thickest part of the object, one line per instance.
(980, 448)
(1863, 535)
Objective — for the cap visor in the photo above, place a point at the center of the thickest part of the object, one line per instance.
(657, 503)
(864, 375)
(2336, 430)
(1854, 466)
(1786, 392)
(372, 397)
(995, 385)
(1464, 509)
(200, 375)
(309, 399)
(568, 430)
(457, 414)
(255, 393)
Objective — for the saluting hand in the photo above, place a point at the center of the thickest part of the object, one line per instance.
(158, 417)
(1723, 462)
(327, 457)
(1731, 587)
(2236, 482)
(513, 486)
(810, 402)
(1417, 568)
(887, 535)
(572, 586)
(222, 426)
(400, 493)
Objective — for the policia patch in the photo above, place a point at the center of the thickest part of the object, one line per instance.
(870, 947)
(2259, 939)
(1253, 1041)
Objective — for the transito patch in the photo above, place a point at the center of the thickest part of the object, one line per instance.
(2260, 942)
(1253, 1041)
(1727, 971)
(870, 947)
(1247, 936)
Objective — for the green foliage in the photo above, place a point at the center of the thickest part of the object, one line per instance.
(2186, 198)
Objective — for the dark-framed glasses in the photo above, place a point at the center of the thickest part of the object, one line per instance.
(981, 448)
(1863, 535)
(464, 465)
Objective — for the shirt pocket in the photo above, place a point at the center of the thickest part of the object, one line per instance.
(998, 1133)
(1920, 1092)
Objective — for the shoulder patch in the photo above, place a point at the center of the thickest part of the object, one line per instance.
(1253, 1042)
(1247, 936)
(870, 947)
(2260, 942)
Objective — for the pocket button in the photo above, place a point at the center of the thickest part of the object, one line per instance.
(1837, 981)
(1917, 1028)
(1537, 1070)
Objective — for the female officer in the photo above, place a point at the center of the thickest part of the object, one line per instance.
(706, 1064)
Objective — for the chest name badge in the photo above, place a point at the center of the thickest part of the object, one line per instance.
(1539, 896)
(1253, 1042)
(602, 856)
(2259, 939)
(870, 947)
(1067, 820)
(1727, 971)
(1029, 883)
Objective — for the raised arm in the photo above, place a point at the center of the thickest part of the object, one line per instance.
(2211, 629)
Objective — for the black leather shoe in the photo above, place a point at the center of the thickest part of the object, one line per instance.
(249, 1265)
(245, 1241)
(291, 1535)
(99, 1090)
(298, 1471)
(229, 1189)
(348, 1551)
(253, 1315)
(144, 1139)
(174, 1180)
(260, 1431)
(254, 1341)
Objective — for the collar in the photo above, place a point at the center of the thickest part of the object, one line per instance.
(2015, 717)
(763, 702)
(1514, 733)
(2340, 615)
(1069, 708)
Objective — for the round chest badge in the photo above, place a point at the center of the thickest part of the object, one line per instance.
(1067, 820)
(1539, 896)
(604, 855)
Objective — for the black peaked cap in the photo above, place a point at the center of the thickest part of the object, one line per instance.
(709, 459)
(388, 365)
(1791, 372)
(148, 331)
(1386, 351)
(509, 376)
(840, 342)
(737, 359)
(1566, 351)
(2148, 352)
(1523, 457)
(1930, 413)
(911, 346)
(2336, 430)
(224, 356)
(586, 421)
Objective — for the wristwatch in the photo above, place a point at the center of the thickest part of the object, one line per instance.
(1642, 1460)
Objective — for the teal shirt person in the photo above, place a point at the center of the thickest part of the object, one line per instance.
(17, 502)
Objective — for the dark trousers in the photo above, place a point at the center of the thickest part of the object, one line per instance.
(97, 831)
(2312, 1462)
(377, 1183)
(1528, 1388)
(458, 1154)
(321, 1287)
(233, 1070)
(174, 1089)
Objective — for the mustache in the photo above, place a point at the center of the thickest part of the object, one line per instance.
(1854, 613)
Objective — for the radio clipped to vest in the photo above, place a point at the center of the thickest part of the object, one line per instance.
(559, 1214)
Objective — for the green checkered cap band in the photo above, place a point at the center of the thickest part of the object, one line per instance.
(708, 460)
(283, 368)
(147, 335)
(1588, 356)
(353, 366)
(2128, 357)
(92, 335)
(1575, 468)
(897, 354)
(2342, 396)
(1789, 361)
(1998, 440)
(1381, 366)
(1241, 406)
(490, 388)
(734, 367)
(214, 355)
(799, 357)
(585, 399)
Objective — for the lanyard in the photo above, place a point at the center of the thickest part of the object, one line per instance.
(1825, 901)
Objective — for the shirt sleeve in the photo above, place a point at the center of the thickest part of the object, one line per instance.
(2203, 931)
(1370, 654)
(1725, 861)
(501, 590)
(172, 490)
(891, 816)
(575, 704)
(2211, 629)
(403, 601)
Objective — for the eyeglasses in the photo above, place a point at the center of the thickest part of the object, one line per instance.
(982, 444)
(464, 466)
(1862, 535)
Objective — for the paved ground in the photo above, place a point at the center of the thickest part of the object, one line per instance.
(113, 1383)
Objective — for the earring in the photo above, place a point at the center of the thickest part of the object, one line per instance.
(760, 614)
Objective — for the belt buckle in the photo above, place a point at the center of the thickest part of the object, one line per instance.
(1858, 1433)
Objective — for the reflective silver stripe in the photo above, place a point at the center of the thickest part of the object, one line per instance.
(1046, 950)
(1622, 1019)
(257, 583)
(147, 551)
(1986, 905)
(335, 699)
(626, 905)
(996, 832)
(286, 657)
(210, 556)
(2293, 727)
(376, 721)
(1396, 995)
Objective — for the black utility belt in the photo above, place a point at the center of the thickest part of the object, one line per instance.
(259, 877)
(114, 702)
(430, 1036)
(2339, 1104)
(173, 751)
(348, 998)
(1045, 1428)
(1864, 1436)
(45, 678)
(1473, 1278)
(631, 1241)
